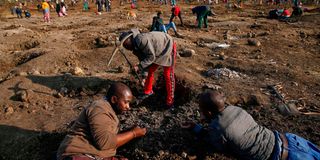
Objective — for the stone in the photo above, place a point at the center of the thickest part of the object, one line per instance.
(35, 72)
(77, 71)
(22, 96)
(22, 74)
(9, 110)
(212, 86)
(122, 69)
(254, 42)
(24, 106)
(303, 34)
(192, 157)
(100, 42)
(184, 155)
(187, 53)
(57, 95)
(161, 153)
(31, 44)
(45, 107)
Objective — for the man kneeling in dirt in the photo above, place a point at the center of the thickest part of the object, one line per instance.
(94, 135)
(153, 49)
(233, 130)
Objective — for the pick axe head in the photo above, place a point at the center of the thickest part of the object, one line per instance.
(118, 47)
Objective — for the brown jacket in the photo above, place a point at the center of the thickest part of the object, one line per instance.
(153, 47)
(93, 133)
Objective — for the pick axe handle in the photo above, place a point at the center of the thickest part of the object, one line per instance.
(131, 66)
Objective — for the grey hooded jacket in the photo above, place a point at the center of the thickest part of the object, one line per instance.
(153, 47)
(236, 131)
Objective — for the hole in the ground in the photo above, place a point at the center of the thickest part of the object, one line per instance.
(182, 95)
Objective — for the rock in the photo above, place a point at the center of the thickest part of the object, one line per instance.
(63, 90)
(122, 69)
(45, 107)
(77, 71)
(9, 110)
(161, 153)
(22, 96)
(227, 35)
(22, 74)
(303, 34)
(264, 33)
(192, 157)
(223, 57)
(24, 106)
(187, 53)
(30, 44)
(184, 155)
(251, 35)
(254, 42)
(100, 42)
(212, 86)
(57, 95)
(35, 72)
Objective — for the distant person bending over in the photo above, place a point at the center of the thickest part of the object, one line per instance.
(232, 129)
(176, 12)
(158, 25)
(202, 15)
(153, 49)
(94, 135)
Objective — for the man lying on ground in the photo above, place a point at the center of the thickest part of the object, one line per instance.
(94, 135)
(233, 130)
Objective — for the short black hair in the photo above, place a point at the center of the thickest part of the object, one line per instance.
(116, 89)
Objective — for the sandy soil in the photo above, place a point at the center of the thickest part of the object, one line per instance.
(49, 72)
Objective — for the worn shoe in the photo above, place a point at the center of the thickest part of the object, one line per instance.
(178, 35)
(142, 97)
(170, 107)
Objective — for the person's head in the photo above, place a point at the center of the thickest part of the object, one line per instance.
(211, 102)
(128, 42)
(159, 13)
(119, 96)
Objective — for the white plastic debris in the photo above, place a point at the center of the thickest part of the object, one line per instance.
(224, 72)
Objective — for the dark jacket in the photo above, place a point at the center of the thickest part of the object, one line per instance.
(201, 10)
(157, 22)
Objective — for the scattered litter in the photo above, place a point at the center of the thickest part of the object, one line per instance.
(224, 72)
(187, 52)
(214, 45)
(212, 86)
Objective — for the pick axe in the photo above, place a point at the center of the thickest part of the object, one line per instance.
(119, 48)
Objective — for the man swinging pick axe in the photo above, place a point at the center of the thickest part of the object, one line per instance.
(153, 49)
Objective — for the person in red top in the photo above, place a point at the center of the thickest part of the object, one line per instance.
(286, 13)
(176, 12)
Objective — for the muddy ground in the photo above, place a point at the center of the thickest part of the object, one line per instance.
(49, 72)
